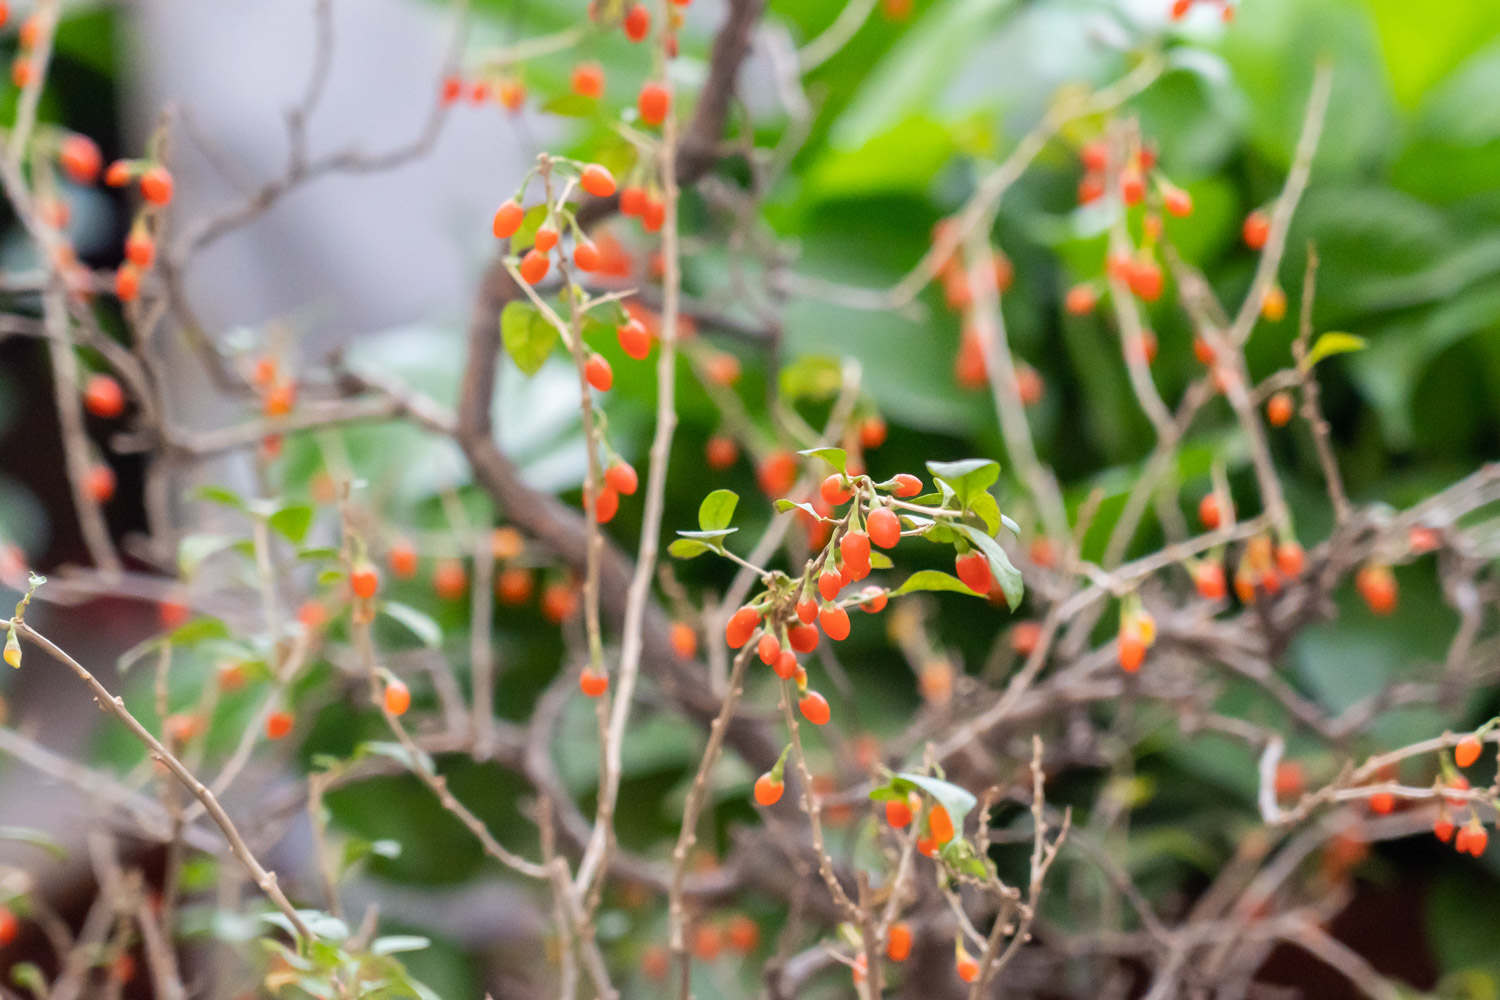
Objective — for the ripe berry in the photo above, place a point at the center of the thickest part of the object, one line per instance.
(1256, 230)
(743, 934)
(588, 81)
(1080, 300)
(534, 266)
(512, 95)
(513, 585)
(875, 600)
(1132, 651)
(1479, 838)
(814, 708)
(403, 559)
(592, 683)
(1029, 386)
(802, 638)
(127, 283)
(598, 373)
(621, 478)
(906, 486)
(559, 602)
(1090, 188)
(397, 698)
(653, 103)
(721, 452)
(1180, 9)
(364, 580)
(855, 549)
(1273, 306)
(635, 339)
(1461, 784)
(140, 250)
(450, 580)
(1095, 156)
(834, 490)
(606, 505)
(546, 238)
(684, 640)
(1024, 637)
(156, 185)
(807, 610)
(99, 483)
(80, 159)
(768, 649)
(508, 219)
(884, 527)
(103, 397)
(707, 942)
(777, 473)
(940, 824)
(10, 926)
(1467, 751)
(22, 73)
(453, 89)
(1209, 579)
(1279, 409)
(632, 200)
(1132, 187)
(1290, 559)
(1377, 585)
(597, 181)
(586, 256)
(1383, 803)
(786, 665)
(872, 432)
(897, 812)
(278, 724)
(1146, 280)
(966, 967)
(312, 615)
(1209, 513)
(1442, 827)
(741, 626)
(637, 23)
(1178, 202)
(830, 582)
(768, 790)
(835, 622)
(974, 570)
(898, 942)
(926, 846)
(1203, 351)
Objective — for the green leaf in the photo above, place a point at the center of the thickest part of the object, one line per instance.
(393, 943)
(572, 106)
(1004, 572)
(716, 511)
(933, 579)
(879, 560)
(783, 505)
(527, 336)
(396, 752)
(988, 510)
(1329, 344)
(530, 223)
(419, 623)
(688, 548)
(958, 801)
(193, 549)
(967, 478)
(35, 838)
(319, 553)
(219, 495)
(291, 522)
(811, 378)
(835, 457)
(27, 974)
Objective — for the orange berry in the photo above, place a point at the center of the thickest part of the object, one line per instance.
(1132, 651)
(1024, 637)
(534, 266)
(278, 724)
(140, 249)
(637, 22)
(635, 339)
(966, 967)
(898, 942)
(1209, 579)
(508, 219)
(1080, 300)
(940, 824)
(1177, 202)
(403, 559)
(1467, 751)
(1442, 827)
(312, 615)
(777, 473)
(10, 926)
(364, 580)
(1290, 559)
(872, 432)
(606, 505)
(656, 963)
(588, 81)
(598, 372)
(80, 159)
(1209, 512)
(118, 174)
(684, 640)
(654, 102)
(898, 812)
(875, 600)
(621, 478)
(103, 397)
(906, 486)
(586, 256)
(592, 683)
(1273, 306)
(397, 698)
(743, 934)
(546, 238)
(741, 626)
(814, 708)
(1029, 385)
(127, 283)
(722, 369)
(156, 185)
(1289, 780)
(707, 942)
(280, 398)
(1377, 585)
(803, 638)
(884, 527)
(835, 622)
(512, 95)
(768, 790)
(450, 580)
(22, 73)
(1279, 409)
(1383, 803)
(452, 90)
(597, 181)
(721, 452)
(231, 677)
(513, 585)
(99, 483)
(1256, 230)
(973, 569)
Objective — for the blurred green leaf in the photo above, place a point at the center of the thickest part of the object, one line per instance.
(528, 337)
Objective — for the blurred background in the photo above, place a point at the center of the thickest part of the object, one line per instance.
(1404, 209)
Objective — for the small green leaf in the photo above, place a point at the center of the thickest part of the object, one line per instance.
(712, 537)
(572, 106)
(958, 801)
(967, 478)
(783, 505)
(835, 457)
(688, 548)
(811, 378)
(393, 943)
(419, 623)
(1004, 572)
(219, 495)
(933, 579)
(193, 549)
(984, 506)
(318, 553)
(527, 336)
(1331, 343)
(717, 510)
(396, 752)
(27, 974)
(291, 522)
(879, 560)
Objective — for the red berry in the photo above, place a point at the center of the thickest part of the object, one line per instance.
(1279, 409)
(768, 790)
(534, 266)
(156, 185)
(653, 214)
(586, 255)
(721, 452)
(1081, 300)
(777, 473)
(974, 570)
(1090, 188)
(621, 477)
(588, 81)
(1290, 559)
(1178, 202)
(940, 824)
(80, 159)
(1029, 386)
(1467, 751)
(835, 622)
(140, 250)
(855, 550)
(450, 580)
(597, 181)
(835, 491)
(786, 666)
(1442, 827)
(99, 483)
(633, 200)
(127, 283)
(1132, 651)
(803, 638)
(546, 238)
(814, 708)
(1377, 585)
(875, 600)
(1146, 280)
(898, 941)
(1209, 513)
(598, 372)
(741, 626)
(403, 559)
(103, 397)
(637, 23)
(884, 527)
(635, 339)
(278, 724)
(653, 103)
(508, 219)
(606, 505)
(967, 968)
(768, 649)
(906, 486)
(872, 432)
(593, 683)
(1257, 229)
(1095, 156)
(10, 926)
(1132, 187)
(397, 698)
(453, 89)
(1209, 579)
(807, 610)
(830, 582)
(1180, 9)
(1024, 637)
(364, 580)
